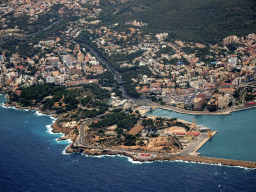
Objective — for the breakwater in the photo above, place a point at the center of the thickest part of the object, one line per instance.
(163, 157)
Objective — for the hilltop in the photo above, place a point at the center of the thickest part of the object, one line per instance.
(207, 21)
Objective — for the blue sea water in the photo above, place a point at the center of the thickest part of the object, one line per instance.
(32, 160)
(236, 136)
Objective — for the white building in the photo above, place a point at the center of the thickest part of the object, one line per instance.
(221, 103)
(49, 79)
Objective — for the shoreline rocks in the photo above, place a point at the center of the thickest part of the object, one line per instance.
(95, 152)
(197, 159)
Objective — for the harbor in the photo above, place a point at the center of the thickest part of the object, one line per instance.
(191, 141)
(193, 147)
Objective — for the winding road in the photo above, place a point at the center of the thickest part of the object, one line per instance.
(80, 139)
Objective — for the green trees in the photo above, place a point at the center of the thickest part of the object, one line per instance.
(71, 101)
(141, 143)
(211, 107)
(65, 99)
(125, 57)
(148, 122)
(86, 100)
(130, 140)
(99, 93)
(38, 93)
(129, 84)
(166, 50)
(199, 21)
(232, 47)
(14, 97)
(123, 121)
(32, 70)
(107, 79)
(188, 50)
(249, 97)
(48, 103)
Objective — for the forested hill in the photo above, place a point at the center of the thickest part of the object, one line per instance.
(206, 21)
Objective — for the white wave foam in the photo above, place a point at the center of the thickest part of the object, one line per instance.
(134, 162)
(49, 129)
(53, 118)
(98, 156)
(2, 105)
(122, 156)
(101, 156)
(180, 161)
(39, 114)
(64, 151)
(214, 164)
(10, 107)
(16, 108)
(67, 141)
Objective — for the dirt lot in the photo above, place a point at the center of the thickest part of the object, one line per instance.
(173, 129)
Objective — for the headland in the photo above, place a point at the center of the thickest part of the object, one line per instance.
(143, 156)
(169, 145)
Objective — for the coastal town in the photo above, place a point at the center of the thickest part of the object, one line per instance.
(101, 80)
(189, 75)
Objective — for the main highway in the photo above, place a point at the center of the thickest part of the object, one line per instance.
(118, 78)
(117, 75)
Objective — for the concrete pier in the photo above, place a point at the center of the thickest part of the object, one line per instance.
(195, 145)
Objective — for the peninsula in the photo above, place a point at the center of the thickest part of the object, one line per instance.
(129, 133)
(99, 74)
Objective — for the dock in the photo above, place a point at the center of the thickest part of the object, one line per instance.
(194, 146)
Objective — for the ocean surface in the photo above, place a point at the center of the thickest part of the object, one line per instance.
(32, 160)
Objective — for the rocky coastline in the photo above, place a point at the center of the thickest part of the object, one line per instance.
(226, 111)
(197, 159)
(135, 157)
(18, 106)
(68, 134)
(54, 126)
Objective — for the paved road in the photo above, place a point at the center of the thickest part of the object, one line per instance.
(116, 74)
(194, 145)
(80, 139)
(249, 84)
